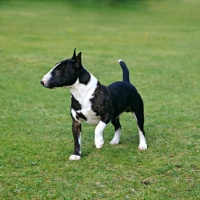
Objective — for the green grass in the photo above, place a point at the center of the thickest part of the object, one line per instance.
(159, 40)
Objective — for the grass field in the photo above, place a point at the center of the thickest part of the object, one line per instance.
(159, 41)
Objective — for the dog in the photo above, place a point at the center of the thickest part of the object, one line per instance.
(95, 103)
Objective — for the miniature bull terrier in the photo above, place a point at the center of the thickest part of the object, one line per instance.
(95, 103)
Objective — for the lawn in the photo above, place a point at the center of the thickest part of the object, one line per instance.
(160, 43)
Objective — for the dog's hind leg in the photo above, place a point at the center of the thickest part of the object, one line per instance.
(140, 123)
(117, 134)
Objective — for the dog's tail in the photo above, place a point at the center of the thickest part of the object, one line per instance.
(124, 70)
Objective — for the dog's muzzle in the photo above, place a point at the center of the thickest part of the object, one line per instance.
(42, 82)
(46, 86)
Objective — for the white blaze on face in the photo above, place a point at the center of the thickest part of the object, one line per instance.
(48, 76)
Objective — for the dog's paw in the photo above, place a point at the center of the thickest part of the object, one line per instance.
(99, 142)
(99, 146)
(114, 141)
(142, 146)
(75, 157)
(116, 137)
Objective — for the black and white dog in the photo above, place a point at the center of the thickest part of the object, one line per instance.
(95, 103)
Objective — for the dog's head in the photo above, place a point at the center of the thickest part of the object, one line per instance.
(64, 73)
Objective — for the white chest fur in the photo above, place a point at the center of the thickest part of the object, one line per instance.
(83, 93)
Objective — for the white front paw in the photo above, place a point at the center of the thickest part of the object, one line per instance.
(99, 142)
(142, 146)
(75, 157)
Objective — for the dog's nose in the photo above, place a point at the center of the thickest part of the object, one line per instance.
(42, 82)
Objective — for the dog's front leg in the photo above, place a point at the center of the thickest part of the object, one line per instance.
(98, 136)
(76, 129)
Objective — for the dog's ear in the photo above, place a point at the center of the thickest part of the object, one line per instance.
(78, 60)
(74, 55)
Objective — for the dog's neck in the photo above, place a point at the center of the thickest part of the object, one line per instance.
(82, 92)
